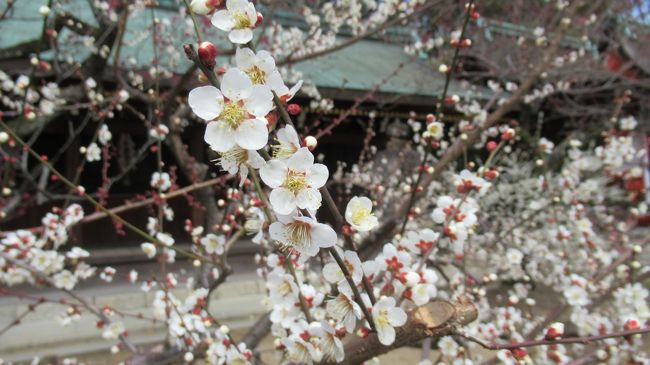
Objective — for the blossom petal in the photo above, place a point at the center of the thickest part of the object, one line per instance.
(235, 84)
(252, 134)
(260, 101)
(265, 61)
(244, 58)
(206, 102)
(301, 160)
(332, 273)
(219, 136)
(276, 83)
(240, 36)
(397, 317)
(288, 135)
(317, 176)
(386, 334)
(294, 90)
(223, 20)
(282, 200)
(254, 159)
(273, 173)
(277, 232)
(323, 235)
(309, 199)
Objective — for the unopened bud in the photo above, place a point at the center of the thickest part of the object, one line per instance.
(311, 142)
(208, 54)
(293, 109)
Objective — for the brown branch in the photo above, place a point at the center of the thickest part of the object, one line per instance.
(562, 341)
(435, 319)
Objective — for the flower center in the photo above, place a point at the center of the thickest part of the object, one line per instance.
(241, 20)
(299, 234)
(359, 213)
(382, 319)
(256, 74)
(295, 181)
(233, 114)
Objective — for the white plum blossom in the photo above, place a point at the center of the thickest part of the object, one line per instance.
(65, 280)
(467, 181)
(93, 152)
(301, 351)
(236, 113)
(448, 347)
(255, 224)
(113, 330)
(545, 145)
(576, 296)
(238, 19)
(386, 317)
(260, 68)
(213, 244)
(303, 234)
(288, 143)
(149, 249)
(344, 309)
(237, 159)
(628, 123)
(359, 214)
(159, 132)
(330, 344)
(295, 182)
(434, 130)
(160, 181)
(333, 273)
(104, 135)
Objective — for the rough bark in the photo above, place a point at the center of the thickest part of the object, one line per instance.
(435, 319)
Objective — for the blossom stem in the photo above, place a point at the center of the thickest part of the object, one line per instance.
(427, 150)
(353, 286)
(197, 29)
(339, 221)
(334, 210)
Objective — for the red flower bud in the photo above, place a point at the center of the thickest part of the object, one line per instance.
(508, 134)
(491, 146)
(491, 174)
(519, 354)
(293, 109)
(631, 325)
(260, 19)
(208, 54)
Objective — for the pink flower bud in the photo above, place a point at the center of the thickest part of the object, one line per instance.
(293, 109)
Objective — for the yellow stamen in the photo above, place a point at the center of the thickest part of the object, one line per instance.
(233, 114)
(299, 234)
(359, 213)
(241, 20)
(295, 181)
(256, 74)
